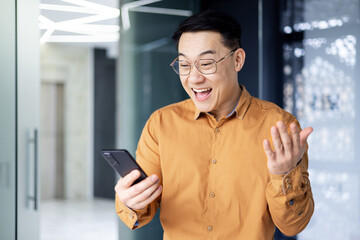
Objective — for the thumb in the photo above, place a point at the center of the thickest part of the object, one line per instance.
(304, 134)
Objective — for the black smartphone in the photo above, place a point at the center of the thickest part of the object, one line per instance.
(122, 162)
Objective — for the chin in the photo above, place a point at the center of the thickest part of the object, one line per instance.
(202, 107)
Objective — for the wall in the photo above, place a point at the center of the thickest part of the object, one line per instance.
(72, 66)
(52, 140)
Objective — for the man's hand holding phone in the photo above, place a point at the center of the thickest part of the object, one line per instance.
(139, 195)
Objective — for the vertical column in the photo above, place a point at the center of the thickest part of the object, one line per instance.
(104, 122)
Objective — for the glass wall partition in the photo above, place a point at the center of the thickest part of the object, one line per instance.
(146, 81)
(322, 88)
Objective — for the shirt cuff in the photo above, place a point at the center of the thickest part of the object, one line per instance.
(291, 183)
(126, 214)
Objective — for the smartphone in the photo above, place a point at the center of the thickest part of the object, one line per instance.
(122, 162)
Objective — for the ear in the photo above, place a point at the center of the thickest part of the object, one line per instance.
(239, 59)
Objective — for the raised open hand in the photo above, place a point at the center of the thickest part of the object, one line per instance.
(288, 149)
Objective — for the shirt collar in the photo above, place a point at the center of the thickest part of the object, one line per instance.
(240, 109)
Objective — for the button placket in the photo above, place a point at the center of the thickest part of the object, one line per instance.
(214, 162)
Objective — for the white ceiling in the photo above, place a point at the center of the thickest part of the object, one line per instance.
(93, 23)
(91, 37)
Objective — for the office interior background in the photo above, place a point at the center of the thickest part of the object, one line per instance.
(78, 76)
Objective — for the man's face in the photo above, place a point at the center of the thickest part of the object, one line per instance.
(217, 92)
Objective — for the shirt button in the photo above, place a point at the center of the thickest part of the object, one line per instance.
(287, 180)
(289, 186)
(212, 195)
(213, 161)
(217, 130)
(210, 228)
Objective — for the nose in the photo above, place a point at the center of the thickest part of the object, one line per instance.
(195, 76)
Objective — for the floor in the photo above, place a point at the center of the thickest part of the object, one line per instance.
(69, 220)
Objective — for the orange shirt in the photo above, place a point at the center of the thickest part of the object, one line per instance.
(216, 184)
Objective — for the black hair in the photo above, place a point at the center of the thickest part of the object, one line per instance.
(212, 20)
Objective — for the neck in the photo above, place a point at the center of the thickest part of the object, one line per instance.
(226, 110)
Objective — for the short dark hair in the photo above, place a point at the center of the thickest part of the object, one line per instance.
(211, 20)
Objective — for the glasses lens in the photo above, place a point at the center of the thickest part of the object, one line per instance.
(206, 66)
(175, 66)
(182, 68)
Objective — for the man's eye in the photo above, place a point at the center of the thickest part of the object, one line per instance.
(206, 65)
(184, 65)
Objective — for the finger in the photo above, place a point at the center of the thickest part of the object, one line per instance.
(143, 196)
(285, 138)
(149, 200)
(295, 134)
(129, 179)
(304, 134)
(276, 139)
(268, 151)
(118, 185)
(142, 186)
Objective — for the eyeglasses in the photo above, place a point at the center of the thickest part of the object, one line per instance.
(205, 66)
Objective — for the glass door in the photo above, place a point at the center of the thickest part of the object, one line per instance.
(28, 94)
(19, 75)
(7, 120)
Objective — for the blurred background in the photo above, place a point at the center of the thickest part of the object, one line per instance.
(78, 76)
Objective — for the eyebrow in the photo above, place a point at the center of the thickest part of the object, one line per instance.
(201, 54)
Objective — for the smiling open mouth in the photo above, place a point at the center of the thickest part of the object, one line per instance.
(202, 94)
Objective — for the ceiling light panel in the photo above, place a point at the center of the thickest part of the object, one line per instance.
(78, 21)
(90, 21)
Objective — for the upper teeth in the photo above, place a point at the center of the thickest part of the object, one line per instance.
(202, 90)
